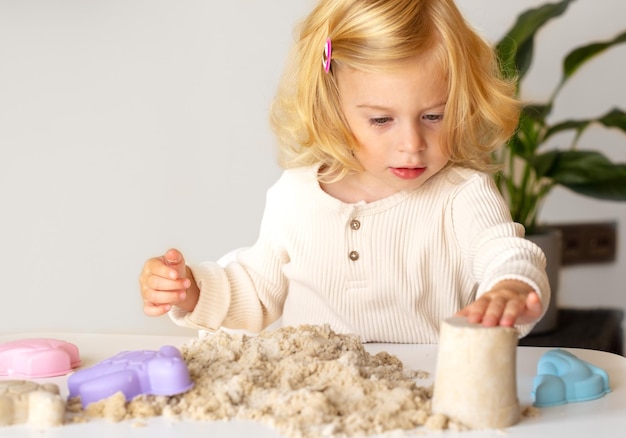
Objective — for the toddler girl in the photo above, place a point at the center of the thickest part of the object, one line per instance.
(385, 220)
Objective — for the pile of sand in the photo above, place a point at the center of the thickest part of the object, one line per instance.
(306, 381)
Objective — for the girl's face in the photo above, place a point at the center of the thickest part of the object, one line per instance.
(396, 118)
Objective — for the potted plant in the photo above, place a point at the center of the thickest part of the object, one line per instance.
(530, 168)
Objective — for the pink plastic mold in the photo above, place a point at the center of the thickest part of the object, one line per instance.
(162, 372)
(39, 357)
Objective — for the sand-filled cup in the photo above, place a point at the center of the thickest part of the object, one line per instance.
(475, 376)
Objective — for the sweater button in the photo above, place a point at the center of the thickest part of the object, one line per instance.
(355, 224)
(354, 255)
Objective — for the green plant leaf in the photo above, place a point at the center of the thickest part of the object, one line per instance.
(543, 164)
(515, 49)
(577, 57)
(537, 111)
(616, 118)
(524, 142)
(589, 173)
(567, 125)
(608, 190)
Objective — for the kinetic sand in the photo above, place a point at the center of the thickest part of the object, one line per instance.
(305, 382)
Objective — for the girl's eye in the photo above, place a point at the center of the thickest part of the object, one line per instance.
(433, 117)
(380, 121)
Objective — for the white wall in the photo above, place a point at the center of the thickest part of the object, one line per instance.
(130, 126)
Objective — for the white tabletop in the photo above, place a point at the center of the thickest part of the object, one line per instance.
(604, 417)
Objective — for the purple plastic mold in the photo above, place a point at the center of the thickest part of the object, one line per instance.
(162, 372)
(37, 358)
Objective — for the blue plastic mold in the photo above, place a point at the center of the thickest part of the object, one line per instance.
(563, 378)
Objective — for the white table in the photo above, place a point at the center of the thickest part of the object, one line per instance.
(604, 417)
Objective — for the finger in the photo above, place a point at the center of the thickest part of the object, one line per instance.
(173, 256)
(512, 310)
(493, 313)
(157, 297)
(156, 310)
(533, 309)
(157, 267)
(158, 283)
(475, 311)
(533, 303)
(174, 259)
(161, 268)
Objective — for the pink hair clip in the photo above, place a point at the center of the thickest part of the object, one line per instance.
(328, 53)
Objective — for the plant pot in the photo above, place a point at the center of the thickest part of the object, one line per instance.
(550, 241)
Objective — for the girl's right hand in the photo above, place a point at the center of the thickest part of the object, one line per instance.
(165, 282)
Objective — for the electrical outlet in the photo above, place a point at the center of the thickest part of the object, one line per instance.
(585, 243)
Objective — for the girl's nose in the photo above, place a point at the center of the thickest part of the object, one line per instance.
(412, 140)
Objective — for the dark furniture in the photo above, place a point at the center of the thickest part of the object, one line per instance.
(594, 329)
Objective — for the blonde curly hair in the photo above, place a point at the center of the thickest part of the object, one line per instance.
(379, 35)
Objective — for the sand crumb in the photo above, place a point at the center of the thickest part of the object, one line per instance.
(530, 412)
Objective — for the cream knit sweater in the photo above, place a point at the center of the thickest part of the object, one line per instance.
(388, 270)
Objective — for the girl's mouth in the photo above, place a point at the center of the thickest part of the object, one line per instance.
(408, 172)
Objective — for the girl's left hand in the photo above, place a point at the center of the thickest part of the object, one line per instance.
(509, 302)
